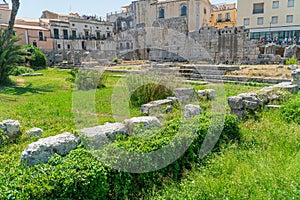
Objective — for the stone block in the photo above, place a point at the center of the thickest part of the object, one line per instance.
(191, 111)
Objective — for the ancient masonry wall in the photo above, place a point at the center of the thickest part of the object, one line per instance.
(165, 42)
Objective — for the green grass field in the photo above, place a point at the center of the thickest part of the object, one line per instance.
(264, 165)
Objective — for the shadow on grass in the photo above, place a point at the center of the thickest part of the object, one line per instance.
(19, 90)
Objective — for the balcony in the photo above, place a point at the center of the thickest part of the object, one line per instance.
(223, 20)
(258, 11)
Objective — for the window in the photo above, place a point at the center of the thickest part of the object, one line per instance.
(183, 10)
(260, 20)
(86, 34)
(258, 8)
(66, 35)
(289, 18)
(98, 35)
(161, 13)
(246, 21)
(219, 17)
(291, 3)
(275, 4)
(227, 16)
(41, 36)
(56, 33)
(205, 11)
(58, 46)
(123, 25)
(74, 34)
(274, 19)
(68, 46)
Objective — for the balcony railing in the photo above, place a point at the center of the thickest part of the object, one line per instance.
(258, 11)
(223, 20)
(91, 37)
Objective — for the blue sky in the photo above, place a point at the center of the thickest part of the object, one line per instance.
(34, 8)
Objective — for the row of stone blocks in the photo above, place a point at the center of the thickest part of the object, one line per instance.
(97, 137)
(252, 101)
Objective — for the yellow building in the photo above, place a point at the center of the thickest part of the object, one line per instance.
(276, 20)
(223, 15)
(197, 12)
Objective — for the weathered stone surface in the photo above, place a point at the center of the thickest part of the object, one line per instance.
(296, 77)
(209, 93)
(239, 113)
(185, 95)
(99, 136)
(273, 106)
(35, 74)
(245, 101)
(290, 51)
(146, 122)
(191, 111)
(155, 107)
(11, 128)
(42, 150)
(293, 67)
(35, 132)
(235, 102)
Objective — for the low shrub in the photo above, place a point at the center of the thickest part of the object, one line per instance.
(148, 93)
(115, 60)
(290, 111)
(19, 70)
(88, 79)
(37, 59)
(291, 61)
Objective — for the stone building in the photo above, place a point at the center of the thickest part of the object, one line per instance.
(223, 15)
(74, 32)
(277, 21)
(4, 13)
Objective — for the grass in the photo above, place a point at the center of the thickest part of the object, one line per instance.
(265, 165)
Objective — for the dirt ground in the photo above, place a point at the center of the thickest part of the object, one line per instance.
(270, 71)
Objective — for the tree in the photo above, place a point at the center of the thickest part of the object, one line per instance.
(11, 24)
(10, 54)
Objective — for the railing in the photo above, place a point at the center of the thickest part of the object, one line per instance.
(91, 37)
(223, 20)
(258, 11)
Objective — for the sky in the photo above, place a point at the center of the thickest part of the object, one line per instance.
(34, 8)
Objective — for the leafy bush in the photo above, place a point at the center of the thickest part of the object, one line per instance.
(291, 61)
(10, 54)
(86, 79)
(148, 93)
(37, 59)
(290, 111)
(115, 60)
(19, 70)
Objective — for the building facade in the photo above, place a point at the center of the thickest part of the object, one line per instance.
(4, 13)
(271, 21)
(223, 15)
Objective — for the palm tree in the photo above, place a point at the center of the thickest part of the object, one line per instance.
(11, 23)
(10, 54)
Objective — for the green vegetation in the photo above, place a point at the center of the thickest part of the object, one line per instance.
(37, 59)
(264, 165)
(115, 60)
(290, 111)
(250, 159)
(291, 61)
(10, 54)
(19, 70)
(87, 79)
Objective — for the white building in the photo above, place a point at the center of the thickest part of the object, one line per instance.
(271, 20)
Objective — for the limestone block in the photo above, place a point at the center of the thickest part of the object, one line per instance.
(35, 132)
(99, 136)
(42, 150)
(191, 111)
(144, 122)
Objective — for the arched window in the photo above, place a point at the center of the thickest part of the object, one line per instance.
(183, 10)
(161, 13)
